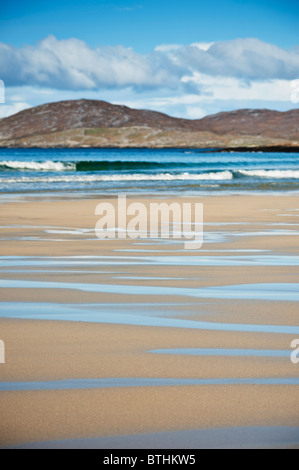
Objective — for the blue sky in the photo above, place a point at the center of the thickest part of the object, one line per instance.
(143, 24)
(187, 58)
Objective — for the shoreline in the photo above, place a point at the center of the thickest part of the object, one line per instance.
(253, 149)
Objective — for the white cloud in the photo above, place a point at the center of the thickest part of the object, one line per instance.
(167, 47)
(230, 88)
(243, 58)
(180, 80)
(195, 112)
(204, 46)
(8, 110)
(70, 64)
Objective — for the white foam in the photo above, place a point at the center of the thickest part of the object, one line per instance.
(224, 175)
(271, 173)
(39, 166)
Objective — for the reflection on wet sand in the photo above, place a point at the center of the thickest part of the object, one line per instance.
(78, 384)
(191, 341)
(124, 316)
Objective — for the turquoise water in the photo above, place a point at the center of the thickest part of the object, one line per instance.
(142, 170)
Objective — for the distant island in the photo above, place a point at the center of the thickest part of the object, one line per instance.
(98, 124)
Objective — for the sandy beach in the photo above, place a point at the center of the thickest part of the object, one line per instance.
(149, 228)
(74, 307)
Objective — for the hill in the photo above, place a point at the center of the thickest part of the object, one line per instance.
(91, 123)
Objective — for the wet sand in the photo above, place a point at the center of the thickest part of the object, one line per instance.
(144, 299)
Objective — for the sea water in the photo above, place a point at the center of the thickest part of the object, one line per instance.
(146, 170)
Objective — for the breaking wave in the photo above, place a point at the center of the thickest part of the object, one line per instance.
(215, 176)
(38, 166)
(271, 173)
